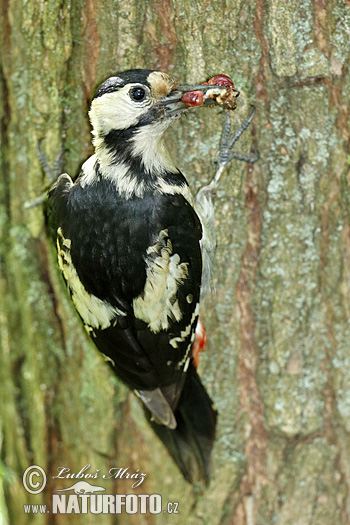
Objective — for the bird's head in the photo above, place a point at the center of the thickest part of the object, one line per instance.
(130, 112)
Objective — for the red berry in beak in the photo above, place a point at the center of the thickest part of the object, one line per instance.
(221, 80)
(193, 98)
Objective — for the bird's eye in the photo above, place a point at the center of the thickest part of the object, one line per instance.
(137, 94)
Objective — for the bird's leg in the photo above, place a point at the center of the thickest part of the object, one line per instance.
(225, 154)
(44, 162)
(58, 164)
(205, 197)
(52, 173)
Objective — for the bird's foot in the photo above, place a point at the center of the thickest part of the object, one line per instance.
(52, 173)
(32, 203)
(228, 140)
(224, 156)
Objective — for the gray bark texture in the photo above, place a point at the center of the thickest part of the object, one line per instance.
(278, 357)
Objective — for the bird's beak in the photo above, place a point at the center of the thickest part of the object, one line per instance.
(173, 103)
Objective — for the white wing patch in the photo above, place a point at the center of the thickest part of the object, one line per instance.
(94, 312)
(158, 303)
(185, 333)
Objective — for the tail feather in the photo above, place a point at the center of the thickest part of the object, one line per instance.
(191, 442)
(157, 404)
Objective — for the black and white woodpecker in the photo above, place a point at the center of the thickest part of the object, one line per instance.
(131, 242)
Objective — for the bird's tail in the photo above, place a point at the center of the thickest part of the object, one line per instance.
(191, 442)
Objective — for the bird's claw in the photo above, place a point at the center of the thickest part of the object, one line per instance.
(52, 173)
(225, 155)
(245, 157)
(59, 163)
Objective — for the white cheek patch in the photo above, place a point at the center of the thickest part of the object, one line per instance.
(94, 312)
(115, 111)
(165, 273)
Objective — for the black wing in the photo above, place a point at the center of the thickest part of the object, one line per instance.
(123, 260)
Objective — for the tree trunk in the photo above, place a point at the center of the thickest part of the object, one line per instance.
(277, 363)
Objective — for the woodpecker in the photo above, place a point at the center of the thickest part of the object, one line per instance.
(132, 245)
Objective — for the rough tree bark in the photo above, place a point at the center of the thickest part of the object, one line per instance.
(278, 361)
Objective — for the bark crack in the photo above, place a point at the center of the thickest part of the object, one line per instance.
(251, 401)
(166, 48)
